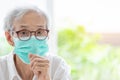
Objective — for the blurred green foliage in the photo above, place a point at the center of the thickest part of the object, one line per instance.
(88, 60)
(5, 48)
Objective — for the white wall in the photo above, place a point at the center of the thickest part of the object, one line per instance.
(95, 15)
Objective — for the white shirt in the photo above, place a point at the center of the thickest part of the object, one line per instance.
(59, 70)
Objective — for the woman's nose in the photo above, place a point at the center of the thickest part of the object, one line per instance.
(33, 33)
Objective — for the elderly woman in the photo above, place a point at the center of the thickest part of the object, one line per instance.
(26, 29)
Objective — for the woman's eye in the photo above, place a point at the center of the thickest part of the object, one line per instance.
(39, 32)
(23, 32)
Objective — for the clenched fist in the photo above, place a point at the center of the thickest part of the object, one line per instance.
(39, 66)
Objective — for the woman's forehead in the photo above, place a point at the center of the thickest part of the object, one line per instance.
(30, 20)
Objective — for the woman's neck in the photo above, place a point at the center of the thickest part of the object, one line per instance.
(23, 69)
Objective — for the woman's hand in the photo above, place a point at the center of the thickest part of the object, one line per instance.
(40, 67)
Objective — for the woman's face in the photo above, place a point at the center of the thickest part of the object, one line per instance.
(31, 21)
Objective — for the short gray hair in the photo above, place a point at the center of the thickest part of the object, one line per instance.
(18, 13)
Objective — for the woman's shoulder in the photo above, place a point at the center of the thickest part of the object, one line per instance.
(57, 61)
(59, 68)
(3, 59)
(3, 64)
(4, 67)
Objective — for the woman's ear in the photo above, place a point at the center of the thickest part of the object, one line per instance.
(9, 38)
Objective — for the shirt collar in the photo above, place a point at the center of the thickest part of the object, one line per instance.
(11, 67)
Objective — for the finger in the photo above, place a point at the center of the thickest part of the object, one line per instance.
(38, 60)
(40, 69)
(36, 72)
(45, 65)
(32, 56)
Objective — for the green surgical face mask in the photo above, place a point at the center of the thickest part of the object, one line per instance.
(32, 46)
